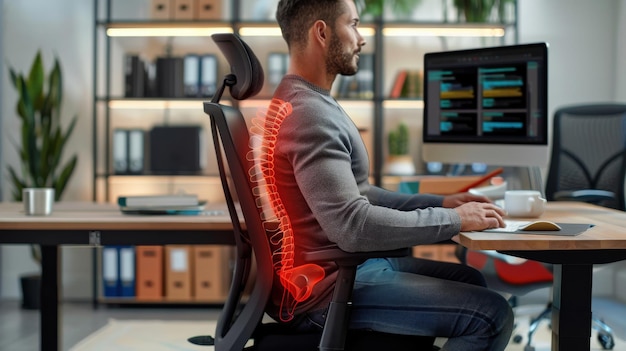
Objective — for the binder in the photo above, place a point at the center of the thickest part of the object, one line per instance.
(135, 76)
(184, 9)
(110, 271)
(208, 75)
(135, 151)
(126, 255)
(120, 151)
(149, 269)
(161, 9)
(192, 75)
(178, 272)
(210, 272)
(208, 9)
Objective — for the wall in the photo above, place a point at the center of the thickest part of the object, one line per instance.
(582, 56)
(1, 80)
(621, 52)
(63, 28)
(587, 47)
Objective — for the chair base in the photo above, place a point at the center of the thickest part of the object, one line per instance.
(273, 338)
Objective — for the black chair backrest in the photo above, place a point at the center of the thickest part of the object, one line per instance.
(589, 151)
(236, 324)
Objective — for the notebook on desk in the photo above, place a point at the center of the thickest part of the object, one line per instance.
(541, 227)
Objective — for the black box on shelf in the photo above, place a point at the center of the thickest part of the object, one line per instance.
(170, 77)
(176, 150)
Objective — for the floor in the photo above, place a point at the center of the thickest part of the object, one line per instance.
(19, 329)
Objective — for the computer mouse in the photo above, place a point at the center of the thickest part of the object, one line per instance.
(540, 226)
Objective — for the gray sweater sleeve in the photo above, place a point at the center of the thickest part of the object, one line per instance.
(331, 168)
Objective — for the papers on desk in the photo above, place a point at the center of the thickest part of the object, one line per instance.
(161, 205)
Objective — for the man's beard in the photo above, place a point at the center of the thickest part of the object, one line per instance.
(338, 61)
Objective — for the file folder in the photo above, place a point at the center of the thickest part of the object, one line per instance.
(208, 75)
(126, 256)
(178, 272)
(135, 76)
(192, 75)
(135, 151)
(149, 280)
(120, 151)
(110, 271)
(211, 269)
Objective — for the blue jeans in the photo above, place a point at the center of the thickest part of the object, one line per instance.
(421, 297)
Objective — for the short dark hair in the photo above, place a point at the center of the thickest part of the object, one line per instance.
(295, 17)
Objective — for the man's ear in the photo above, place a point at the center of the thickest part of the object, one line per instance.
(320, 32)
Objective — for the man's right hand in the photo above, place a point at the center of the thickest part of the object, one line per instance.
(476, 216)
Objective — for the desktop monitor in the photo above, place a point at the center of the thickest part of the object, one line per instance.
(487, 105)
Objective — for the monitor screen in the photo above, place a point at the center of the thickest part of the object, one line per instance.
(487, 105)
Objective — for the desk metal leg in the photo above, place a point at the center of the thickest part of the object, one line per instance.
(571, 307)
(50, 324)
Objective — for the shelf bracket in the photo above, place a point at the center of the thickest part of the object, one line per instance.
(94, 238)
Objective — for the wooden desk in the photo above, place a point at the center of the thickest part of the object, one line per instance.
(573, 259)
(94, 225)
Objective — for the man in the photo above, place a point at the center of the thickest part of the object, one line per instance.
(321, 175)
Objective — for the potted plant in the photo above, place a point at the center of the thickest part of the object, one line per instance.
(399, 161)
(376, 8)
(480, 11)
(41, 145)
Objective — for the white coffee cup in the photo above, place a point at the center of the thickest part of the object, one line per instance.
(524, 203)
(38, 201)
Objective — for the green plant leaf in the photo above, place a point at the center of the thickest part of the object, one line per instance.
(18, 184)
(61, 182)
(36, 79)
(43, 138)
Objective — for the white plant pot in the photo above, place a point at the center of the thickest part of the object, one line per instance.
(399, 165)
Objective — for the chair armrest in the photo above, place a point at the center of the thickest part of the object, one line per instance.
(334, 253)
(586, 195)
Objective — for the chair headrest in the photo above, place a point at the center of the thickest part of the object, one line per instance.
(244, 65)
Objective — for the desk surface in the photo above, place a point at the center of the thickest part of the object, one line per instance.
(103, 216)
(609, 231)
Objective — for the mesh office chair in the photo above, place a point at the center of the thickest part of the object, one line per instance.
(589, 155)
(241, 317)
(588, 164)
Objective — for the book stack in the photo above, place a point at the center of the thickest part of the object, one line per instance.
(161, 204)
(408, 85)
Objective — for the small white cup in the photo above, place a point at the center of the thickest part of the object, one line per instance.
(524, 203)
(38, 201)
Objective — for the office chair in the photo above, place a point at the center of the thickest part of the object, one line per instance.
(241, 320)
(588, 161)
(588, 164)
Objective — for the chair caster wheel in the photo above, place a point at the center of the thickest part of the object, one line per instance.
(517, 339)
(606, 340)
(529, 348)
